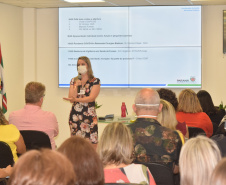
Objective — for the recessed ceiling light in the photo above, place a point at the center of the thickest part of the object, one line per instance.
(83, 1)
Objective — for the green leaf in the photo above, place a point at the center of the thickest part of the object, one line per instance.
(97, 106)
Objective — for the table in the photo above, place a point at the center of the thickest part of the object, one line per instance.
(103, 123)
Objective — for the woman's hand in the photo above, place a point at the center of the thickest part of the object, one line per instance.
(78, 83)
(8, 169)
(72, 99)
(4, 172)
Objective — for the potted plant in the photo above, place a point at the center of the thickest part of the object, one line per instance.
(221, 106)
(97, 106)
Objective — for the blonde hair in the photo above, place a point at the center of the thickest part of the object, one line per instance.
(46, 167)
(85, 160)
(34, 91)
(167, 117)
(198, 158)
(115, 145)
(189, 102)
(89, 70)
(218, 176)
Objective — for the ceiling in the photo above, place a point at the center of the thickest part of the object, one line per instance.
(61, 3)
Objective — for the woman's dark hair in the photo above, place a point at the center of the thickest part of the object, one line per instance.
(168, 95)
(206, 102)
(87, 164)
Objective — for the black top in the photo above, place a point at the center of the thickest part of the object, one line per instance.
(216, 118)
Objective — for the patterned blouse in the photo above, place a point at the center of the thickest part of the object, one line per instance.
(155, 143)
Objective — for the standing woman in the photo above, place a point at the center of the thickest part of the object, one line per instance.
(82, 93)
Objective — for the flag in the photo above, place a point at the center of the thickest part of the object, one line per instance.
(2, 87)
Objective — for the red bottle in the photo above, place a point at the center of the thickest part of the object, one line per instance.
(123, 110)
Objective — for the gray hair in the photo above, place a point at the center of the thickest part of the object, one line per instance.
(147, 99)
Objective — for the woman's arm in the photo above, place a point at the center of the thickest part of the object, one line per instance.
(73, 90)
(4, 172)
(176, 169)
(21, 148)
(93, 94)
(187, 133)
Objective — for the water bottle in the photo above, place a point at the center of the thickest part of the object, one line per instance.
(123, 110)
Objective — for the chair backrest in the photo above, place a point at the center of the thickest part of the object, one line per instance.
(220, 139)
(6, 156)
(34, 139)
(121, 184)
(3, 181)
(162, 174)
(221, 128)
(194, 131)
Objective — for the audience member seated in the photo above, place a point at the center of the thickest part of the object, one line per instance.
(46, 167)
(115, 149)
(220, 139)
(5, 172)
(198, 158)
(170, 96)
(167, 118)
(152, 141)
(32, 117)
(190, 111)
(208, 107)
(87, 165)
(11, 135)
(218, 176)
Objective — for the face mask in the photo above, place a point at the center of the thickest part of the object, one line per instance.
(82, 69)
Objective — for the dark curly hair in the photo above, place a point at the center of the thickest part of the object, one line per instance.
(169, 96)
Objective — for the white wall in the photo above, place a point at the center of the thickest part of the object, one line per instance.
(11, 40)
(214, 61)
(40, 62)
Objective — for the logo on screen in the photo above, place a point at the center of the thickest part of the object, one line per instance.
(182, 80)
(192, 78)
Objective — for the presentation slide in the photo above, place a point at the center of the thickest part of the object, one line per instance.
(157, 46)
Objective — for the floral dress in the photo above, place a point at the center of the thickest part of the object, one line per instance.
(83, 118)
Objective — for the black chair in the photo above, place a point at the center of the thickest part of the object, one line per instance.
(35, 139)
(121, 184)
(215, 128)
(162, 174)
(221, 128)
(220, 139)
(6, 156)
(3, 181)
(195, 131)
